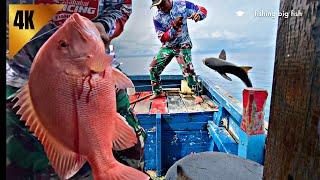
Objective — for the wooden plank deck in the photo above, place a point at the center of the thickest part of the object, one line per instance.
(191, 106)
(174, 102)
(142, 107)
(208, 104)
(159, 106)
(132, 98)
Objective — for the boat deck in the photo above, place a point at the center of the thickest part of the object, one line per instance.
(172, 102)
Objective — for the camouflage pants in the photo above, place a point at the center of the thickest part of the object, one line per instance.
(134, 156)
(163, 58)
(26, 158)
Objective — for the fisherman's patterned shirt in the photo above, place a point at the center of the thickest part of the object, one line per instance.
(168, 36)
(114, 14)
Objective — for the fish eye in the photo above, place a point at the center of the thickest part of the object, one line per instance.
(63, 44)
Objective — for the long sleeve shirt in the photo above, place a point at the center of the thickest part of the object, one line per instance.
(113, 15)
(168, 36)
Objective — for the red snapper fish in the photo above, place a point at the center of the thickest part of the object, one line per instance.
(69, 103)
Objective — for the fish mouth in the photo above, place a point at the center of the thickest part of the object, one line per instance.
(84, 27)
(204, 60)
(97, 75)
(81, 57)
(92, 72)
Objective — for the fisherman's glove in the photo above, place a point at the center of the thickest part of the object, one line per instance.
(195, 16)
(177, 23)
(104, 36)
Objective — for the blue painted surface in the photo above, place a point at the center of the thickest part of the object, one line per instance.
(158, 145)
(222, 139)
(223, 101)
(142, 82)
(163, 77)
(178, 144)
(178, 137)
(150, 151)
(222, 113)
(252, 147)
(173, 136)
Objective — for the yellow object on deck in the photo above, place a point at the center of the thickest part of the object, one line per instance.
(185, 89)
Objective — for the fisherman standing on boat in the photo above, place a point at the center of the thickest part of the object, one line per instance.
(170, 24)
(24, 151)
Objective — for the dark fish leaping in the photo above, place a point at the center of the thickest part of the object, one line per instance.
(222, 67)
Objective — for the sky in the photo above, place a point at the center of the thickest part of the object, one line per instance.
(230, 25)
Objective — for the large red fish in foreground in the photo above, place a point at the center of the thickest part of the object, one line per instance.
(69, 103)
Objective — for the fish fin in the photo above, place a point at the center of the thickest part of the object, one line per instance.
(65, 162)
(121, 80)
(226, 77)
(223, 55)
(118, 171)
(124, 135)
(246, 68)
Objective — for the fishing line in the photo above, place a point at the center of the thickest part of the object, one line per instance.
(44, 33)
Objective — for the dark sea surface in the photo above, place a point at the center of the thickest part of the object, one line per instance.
(261, 75)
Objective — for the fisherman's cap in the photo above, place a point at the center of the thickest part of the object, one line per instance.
(155, 3)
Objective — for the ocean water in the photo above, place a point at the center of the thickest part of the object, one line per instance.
(261, 74)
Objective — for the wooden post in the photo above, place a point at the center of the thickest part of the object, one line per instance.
(293, 142)
(252, 139)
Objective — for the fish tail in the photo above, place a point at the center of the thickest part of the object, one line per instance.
(118, 171)
(248, 83)
(246, 68)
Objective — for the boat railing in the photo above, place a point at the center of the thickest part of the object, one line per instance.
(229, 132)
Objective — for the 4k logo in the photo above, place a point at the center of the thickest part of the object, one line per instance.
(23, 19)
